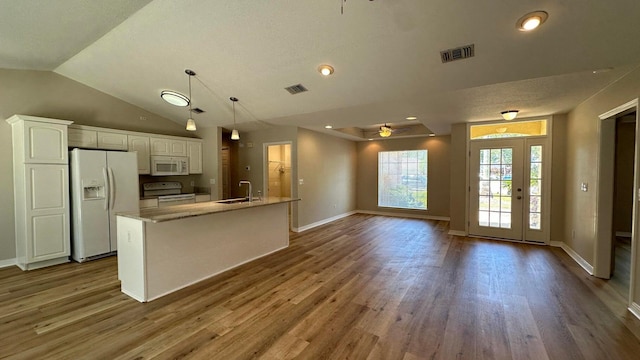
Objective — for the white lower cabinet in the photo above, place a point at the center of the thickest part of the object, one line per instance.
(203, 197)
(46, 215)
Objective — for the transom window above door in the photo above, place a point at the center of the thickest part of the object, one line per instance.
(508, 129)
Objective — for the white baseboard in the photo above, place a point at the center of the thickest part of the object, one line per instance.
(457, 233)
(7, 263)
(322, 222)
(635, 309)
(623, 234)
(404, 215)
(574, 255)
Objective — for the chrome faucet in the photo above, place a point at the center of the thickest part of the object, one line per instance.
(250, 196)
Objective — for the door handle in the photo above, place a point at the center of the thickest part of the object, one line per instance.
(519, 197)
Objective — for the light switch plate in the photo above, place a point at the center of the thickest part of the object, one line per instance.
(300, 181)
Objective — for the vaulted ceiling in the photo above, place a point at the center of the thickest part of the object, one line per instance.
(386, 56)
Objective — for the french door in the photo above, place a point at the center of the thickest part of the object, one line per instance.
(508, 187)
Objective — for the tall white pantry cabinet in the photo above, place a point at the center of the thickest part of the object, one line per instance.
(41, 191)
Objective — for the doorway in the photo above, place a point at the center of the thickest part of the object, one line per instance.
(277, 177)
(508, 191)
(225, 157)
(615, 255)
(623, 203)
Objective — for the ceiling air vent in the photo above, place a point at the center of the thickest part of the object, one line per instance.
(458, 53)
(197, 110)
(296, 89)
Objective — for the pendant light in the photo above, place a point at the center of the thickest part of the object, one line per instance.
(191, 125)
(234, 134)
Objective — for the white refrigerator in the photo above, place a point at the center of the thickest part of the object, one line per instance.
(103, 183)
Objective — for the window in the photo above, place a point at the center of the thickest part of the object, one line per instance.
(402, 179)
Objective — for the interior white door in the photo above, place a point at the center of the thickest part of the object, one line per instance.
(507, 193)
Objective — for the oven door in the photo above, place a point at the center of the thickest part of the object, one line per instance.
(171, 200)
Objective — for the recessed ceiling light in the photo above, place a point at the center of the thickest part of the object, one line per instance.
(325, 70)
(412, 118)
(531, 20)
(328, 127)
(432, 134)
(174, 98)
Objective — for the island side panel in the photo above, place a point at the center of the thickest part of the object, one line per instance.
(131, 257)
(182, 252)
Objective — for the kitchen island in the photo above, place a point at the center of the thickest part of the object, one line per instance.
(162, 250)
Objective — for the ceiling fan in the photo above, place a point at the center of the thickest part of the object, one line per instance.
(386, 130)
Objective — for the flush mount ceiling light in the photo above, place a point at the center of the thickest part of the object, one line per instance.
(328, 127)
(325, 70)
(234, 133)
(385, 131)
(174, 98)
(509, 114)
(531, 20)
(191, 125)
(411, 118)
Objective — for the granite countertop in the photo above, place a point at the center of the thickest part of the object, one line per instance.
(177, 212)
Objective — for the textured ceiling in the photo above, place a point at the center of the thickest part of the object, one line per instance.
(386, 56)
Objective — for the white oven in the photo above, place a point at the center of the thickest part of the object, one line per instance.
(169, 165)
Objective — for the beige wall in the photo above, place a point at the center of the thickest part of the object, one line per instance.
(327, 165)
(46, 94)
(582, 159)
(458, 178)
(558, 177)
(438, 173)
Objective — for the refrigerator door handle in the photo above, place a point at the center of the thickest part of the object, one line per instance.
(108, 188)
(112, 188)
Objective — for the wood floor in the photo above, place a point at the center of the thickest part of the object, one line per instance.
(363, 287)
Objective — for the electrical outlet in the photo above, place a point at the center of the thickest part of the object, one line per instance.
(212, 181)
(300, 181)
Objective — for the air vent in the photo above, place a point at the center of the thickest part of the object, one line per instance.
(197, 110)
(458, 53)
(296, 89)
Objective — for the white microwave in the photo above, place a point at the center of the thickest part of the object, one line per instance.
(169, 165)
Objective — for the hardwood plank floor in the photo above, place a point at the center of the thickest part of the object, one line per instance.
(363, 287)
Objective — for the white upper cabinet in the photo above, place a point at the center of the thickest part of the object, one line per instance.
(194, 151)
(40, 140)
(112, 141)
(169, 147)
(140, 145)
(83, 138)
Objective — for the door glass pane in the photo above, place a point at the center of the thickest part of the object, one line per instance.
(535, 187)
(494, 202)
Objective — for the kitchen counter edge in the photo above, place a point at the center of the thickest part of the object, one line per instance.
(176, 212)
